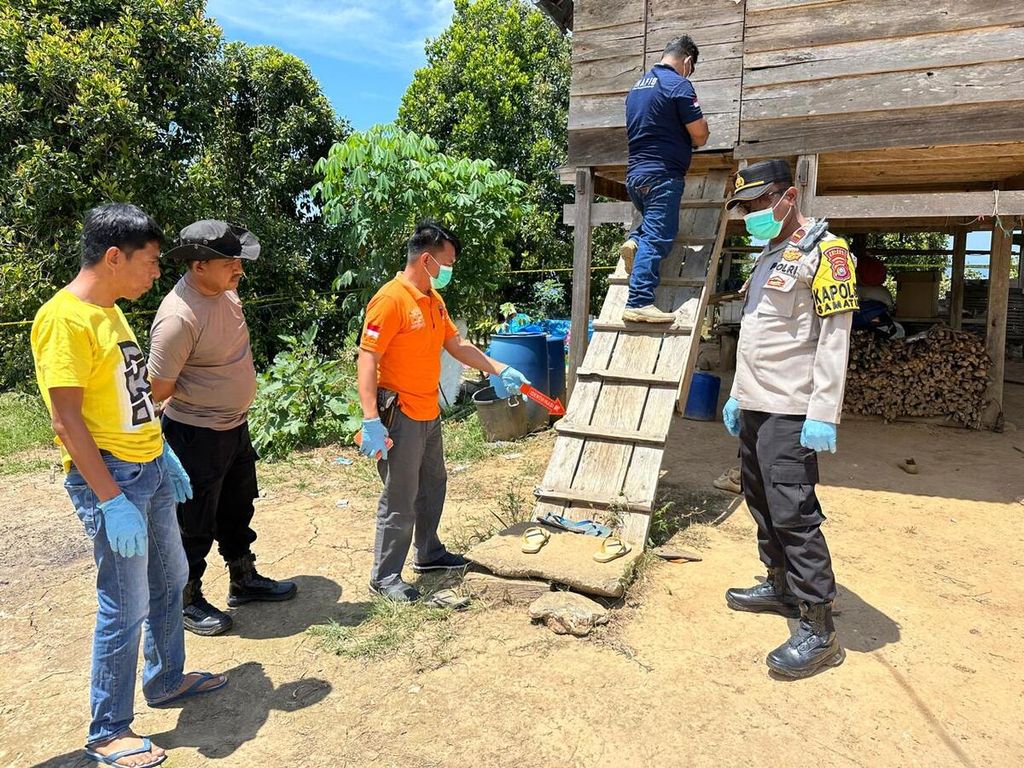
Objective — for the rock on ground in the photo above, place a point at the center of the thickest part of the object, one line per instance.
(566, 613)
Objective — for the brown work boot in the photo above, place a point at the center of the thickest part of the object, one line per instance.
(628, 252)
(648, 314)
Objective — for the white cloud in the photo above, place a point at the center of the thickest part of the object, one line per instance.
(389, 33)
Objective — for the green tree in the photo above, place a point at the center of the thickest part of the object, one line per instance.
(99, 101)
(137, 100)
(378, 183)
(271, 123)
(496, 85)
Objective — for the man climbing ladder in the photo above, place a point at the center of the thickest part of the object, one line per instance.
(664, 124)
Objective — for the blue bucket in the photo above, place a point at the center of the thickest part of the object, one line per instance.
(702, 404)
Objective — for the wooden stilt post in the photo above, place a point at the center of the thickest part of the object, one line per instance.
(956, 289)
(807, 183)
(995, 339)
(580, 275)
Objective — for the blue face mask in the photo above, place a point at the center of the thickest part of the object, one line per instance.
(762, 224)
(444, 275)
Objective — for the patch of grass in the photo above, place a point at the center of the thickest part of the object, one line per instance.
(388, 629)
(464, 439)
(24, 423)
(512, 508)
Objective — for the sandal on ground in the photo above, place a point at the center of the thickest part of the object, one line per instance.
(586, 527)
(113, 757)
(447, 598)
(909, 466)
(611, 548)
(534, 538)
(195, 689)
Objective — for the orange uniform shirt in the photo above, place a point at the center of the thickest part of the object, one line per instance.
(408, 329)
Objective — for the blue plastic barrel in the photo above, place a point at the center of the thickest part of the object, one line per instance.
(556, 366)
(526, 352)
(702, 404)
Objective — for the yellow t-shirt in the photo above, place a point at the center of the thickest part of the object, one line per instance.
(76, 344)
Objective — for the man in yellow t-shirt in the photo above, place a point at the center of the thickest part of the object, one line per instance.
(122, 478)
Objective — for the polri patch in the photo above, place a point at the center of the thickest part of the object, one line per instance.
(835, 281)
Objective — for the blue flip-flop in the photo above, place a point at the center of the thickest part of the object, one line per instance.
(586, 527)
(193, 690)
(112, 758)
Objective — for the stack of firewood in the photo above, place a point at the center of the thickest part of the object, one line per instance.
(941, 373)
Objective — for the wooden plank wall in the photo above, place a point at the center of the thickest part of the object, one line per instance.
(825, 75)
(612, 48)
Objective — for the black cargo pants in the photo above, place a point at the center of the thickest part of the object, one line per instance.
(778, 476)
(222, 467)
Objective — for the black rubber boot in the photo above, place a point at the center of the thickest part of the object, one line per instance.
(201, 618)
(772, 595)
(248, 586)
(814, 645)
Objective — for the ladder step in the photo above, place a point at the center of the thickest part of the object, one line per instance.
(651, 379)
(592, 499)
(686, 282)
(665, 328)
(609, 433)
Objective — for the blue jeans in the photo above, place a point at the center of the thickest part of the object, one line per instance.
(136, 595)
(658, 200)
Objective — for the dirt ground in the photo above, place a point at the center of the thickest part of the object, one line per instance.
(929, 569)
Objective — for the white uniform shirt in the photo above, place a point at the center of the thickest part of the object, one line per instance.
(795, 334)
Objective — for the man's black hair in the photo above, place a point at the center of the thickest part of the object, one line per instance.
(116, 225)
(430, 236)
(681, 47)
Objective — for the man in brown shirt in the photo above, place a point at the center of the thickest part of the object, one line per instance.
(201, 366)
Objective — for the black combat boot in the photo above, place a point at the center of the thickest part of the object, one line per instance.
(814, 645)
(771, 595)
(200, 617)
(248, 586)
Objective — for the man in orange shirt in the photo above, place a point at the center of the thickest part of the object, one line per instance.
(406, 327)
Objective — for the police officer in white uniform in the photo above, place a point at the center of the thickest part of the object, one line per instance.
(785, 404)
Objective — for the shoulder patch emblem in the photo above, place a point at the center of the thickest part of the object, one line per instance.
(835, 281)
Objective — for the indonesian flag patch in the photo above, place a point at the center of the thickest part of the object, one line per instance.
(372, 332)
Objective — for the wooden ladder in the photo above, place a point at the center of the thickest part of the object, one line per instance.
(635, 376)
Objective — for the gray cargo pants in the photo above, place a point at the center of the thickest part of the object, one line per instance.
(409, 511)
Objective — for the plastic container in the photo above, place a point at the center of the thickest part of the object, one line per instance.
(500, 418)
(702, 404)
(527, 353)
(556, 367)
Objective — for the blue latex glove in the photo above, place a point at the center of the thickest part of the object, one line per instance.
(125, 526)
(513, 380)
(818, 436)
(374, 435)
(177, 474)
(731, 416)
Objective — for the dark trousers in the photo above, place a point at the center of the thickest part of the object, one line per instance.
(778, 478)
(222, 467)
(409, 511)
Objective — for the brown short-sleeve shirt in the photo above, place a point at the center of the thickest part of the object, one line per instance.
(202, 343)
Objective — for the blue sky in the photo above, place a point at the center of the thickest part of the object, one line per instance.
(363, 52)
